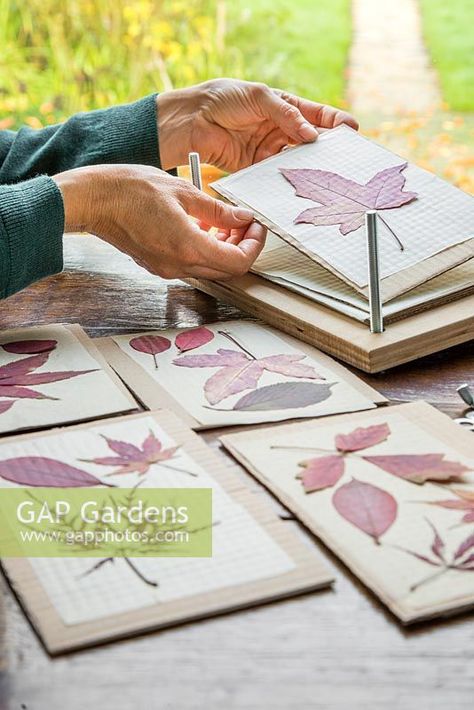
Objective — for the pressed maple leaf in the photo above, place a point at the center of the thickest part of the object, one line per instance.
(17, 376)
(463, 502)
(362, 438)
(134, 459)
(238, 371)
(322, 472)
(343, 201)
(366, 506)
(419, 468)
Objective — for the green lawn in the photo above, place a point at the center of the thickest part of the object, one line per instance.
(299, 45)
(448, 27)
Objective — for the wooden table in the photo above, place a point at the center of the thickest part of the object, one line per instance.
(331, 650)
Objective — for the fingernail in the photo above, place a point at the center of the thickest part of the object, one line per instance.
(243, 215)
(307, 132)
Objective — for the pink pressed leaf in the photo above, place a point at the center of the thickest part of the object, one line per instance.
(28, 347)
(23, 366)
(126, 451)
(105, 460)
(290, 366)
(139, 467)
(437, 546)
(419, 468)
(151, 446)
(232, 380)
(191, 339)
(467, 564)
(368, 507)
(21, 392)
(42, 378)
(469, 517)
(5, 406)
(220, 359)
(465, 546)
(322, 472)
(362, 438)
(41, 471)
(150, 344)
(345, 201)
(451, 504)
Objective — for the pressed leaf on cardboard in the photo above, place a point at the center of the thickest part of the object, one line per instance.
(17, 377)
(151, 345)
(343, 201)
(135, 459)
(321, 472)
(30, 347)
(238, 371)
(419, 468)
(45, 472)
(464, 502)
(192, 339)
(366, 506)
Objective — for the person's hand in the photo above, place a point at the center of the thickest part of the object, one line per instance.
(147, 213)
(233, 124)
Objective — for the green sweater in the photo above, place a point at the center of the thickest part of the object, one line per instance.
(31, 207)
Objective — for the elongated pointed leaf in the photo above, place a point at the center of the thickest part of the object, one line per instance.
(150, 344)
(368, 507)
(362, 438)
(28, 347)
(322, 472)
(345, 201)
(290, 366)
(127, 451)
(23, 366)
(5, 406)
(46, 472)
(18, 392)
(192, 339)
(232, 380)
(43, 378)
(284, 395)
(437, 546)
(222, 358)
(465, 546)
(419, 468)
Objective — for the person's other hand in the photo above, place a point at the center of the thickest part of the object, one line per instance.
(148, 214)
(233, 124)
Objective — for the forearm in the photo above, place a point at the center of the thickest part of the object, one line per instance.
(31, 230)
(122, 134)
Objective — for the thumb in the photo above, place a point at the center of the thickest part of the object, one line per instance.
(216, 213)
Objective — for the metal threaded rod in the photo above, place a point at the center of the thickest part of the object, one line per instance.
(375, 300)
(195, 167)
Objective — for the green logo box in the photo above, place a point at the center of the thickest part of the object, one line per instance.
(108, 522)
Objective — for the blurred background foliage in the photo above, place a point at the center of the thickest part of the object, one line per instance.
(58, 57)
(62, 56)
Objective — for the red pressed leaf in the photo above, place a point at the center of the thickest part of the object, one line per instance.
(362, 438)
(290, 366)
(419, 468)
(41, 471)
(43, 378)
(240, 372)
(150, 344)
(322, 472)
(23, 366)
(465, 546)
(467, 564)
(28, 347)
(345, 202)
(5, 406)
(368, 507)
(21, 392)
(192, 339)
(127, 451)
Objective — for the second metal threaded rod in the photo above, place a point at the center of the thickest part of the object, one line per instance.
(375, 299)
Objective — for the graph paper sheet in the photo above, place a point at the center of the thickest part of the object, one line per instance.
(436, 228)
(282, 264)
(252, 558)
